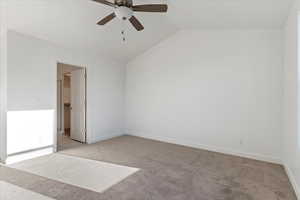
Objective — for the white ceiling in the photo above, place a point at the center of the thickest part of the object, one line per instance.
(229, 14)
(72, 23)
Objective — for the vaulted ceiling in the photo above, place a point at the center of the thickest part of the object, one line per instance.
(72, 23)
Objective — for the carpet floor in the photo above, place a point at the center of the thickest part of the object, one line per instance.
(12, 192)
(65, 142)
(167, 172)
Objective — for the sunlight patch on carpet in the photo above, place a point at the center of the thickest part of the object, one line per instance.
(12, 192)
(88, 174)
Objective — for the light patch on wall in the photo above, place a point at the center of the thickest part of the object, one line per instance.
(27, 130)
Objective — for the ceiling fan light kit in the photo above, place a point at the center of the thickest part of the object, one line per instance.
(123, 12)
(124, 9)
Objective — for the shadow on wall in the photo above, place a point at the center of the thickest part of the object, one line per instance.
(29, 129)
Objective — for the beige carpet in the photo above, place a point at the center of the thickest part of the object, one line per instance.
(167, 172)
(89, 174)
(64, 142)
(11, 192)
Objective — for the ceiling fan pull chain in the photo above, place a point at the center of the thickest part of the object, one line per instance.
(123, 31)
(123, 34)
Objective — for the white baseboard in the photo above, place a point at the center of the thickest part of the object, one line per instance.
(210, 148)
(102, 137)
(293, 180)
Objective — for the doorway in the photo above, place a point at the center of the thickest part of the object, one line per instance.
(71, 106)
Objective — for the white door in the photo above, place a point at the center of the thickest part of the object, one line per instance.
(78, 126)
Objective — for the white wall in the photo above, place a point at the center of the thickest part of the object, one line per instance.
(32, 83)
(291, 135)
(219, 90)
(3, 81)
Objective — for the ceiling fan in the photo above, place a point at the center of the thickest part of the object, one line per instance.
(124, 9)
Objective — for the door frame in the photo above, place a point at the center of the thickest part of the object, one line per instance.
(57, 106)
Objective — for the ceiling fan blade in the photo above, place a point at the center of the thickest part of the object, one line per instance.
(151, 8)
(107, 19)
(136, 23)
(105, 3)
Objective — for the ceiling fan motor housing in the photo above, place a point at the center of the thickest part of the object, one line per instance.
(123, 12)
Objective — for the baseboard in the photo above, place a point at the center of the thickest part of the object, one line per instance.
(2, 163)
(293, 180)
(211, 148)
(102, 137)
